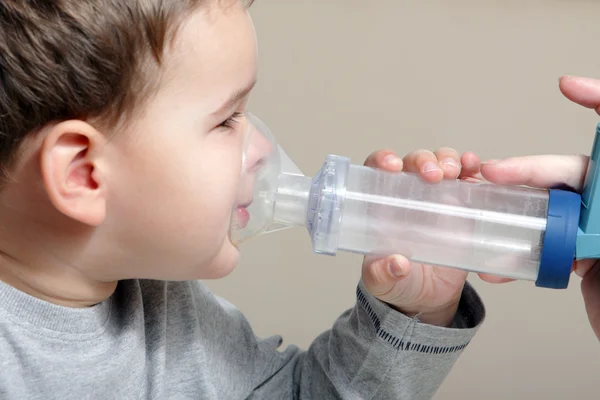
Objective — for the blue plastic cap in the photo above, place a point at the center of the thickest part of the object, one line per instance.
(560, 238)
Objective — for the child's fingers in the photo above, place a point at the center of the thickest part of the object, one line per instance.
(471, 166)
(381, 275)
(384, 159)
(425, 163)
(449, 161)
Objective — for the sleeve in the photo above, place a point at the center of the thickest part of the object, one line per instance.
(373, 352)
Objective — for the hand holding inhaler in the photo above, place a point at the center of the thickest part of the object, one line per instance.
(430, 292)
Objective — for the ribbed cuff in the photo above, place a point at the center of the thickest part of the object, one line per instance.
(409, 334)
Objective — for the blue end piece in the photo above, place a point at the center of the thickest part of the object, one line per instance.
(560, 238)
(588, 240)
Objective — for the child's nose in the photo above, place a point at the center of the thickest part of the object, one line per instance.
(258, 150)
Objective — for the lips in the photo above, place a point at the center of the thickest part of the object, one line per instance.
(242, 215)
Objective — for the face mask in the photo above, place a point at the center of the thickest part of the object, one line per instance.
(265, 166)
(484, 228)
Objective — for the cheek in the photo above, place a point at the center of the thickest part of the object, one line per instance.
(200, 194)
(179, 201)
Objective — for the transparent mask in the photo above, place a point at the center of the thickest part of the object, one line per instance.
(264, 166)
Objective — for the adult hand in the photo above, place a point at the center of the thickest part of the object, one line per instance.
(551, 171)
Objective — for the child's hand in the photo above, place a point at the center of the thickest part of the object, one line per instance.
(432, 293)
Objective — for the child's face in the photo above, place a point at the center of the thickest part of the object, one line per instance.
(174, 179)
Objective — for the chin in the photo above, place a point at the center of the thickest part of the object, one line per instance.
(223, 264)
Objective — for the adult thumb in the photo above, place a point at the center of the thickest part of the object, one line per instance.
(590, 288)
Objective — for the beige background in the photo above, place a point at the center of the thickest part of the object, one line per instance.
(350, 76)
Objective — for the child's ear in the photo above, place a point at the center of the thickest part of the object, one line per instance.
(72, 170)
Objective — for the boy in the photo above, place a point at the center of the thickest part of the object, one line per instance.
(121, 134)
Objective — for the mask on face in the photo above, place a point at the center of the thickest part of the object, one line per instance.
(477, 227)
(264, 167)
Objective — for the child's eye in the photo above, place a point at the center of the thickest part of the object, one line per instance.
(230, 122)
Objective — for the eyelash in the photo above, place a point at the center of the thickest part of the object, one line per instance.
(230, 122)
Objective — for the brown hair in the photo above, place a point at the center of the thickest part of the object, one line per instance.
(66, 59)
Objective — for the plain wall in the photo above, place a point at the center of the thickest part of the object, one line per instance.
(349, 77)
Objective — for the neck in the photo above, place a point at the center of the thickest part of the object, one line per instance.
(61, 287)
(64, 289)
(57, 268)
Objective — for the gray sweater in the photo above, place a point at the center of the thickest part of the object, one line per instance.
(176, 340)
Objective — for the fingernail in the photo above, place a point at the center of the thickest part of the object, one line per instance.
(451, 162)
(392, 161)
(396, 268)
(431, 166)
(581, 269)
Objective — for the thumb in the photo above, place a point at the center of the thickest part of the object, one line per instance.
(590, 288)
(387, 278)
(539, 171)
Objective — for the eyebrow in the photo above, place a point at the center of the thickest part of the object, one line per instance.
(234, 98)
